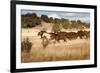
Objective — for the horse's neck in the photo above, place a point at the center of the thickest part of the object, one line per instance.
(42, 33)
(47, 35)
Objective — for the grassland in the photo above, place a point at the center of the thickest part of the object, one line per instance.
(78, 49)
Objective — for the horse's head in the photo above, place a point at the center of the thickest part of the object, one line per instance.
(41, 33)
(38, 33)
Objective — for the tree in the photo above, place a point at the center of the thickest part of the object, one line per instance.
(73, 24)
(34, 15)
(56, 21)
(50, 19)
(56, 28)
(65, 23)
(30, 20)
(45, 18)
(56, 25)
(79, 22)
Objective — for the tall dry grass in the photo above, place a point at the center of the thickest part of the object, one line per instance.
(78, 49)
(58, 52)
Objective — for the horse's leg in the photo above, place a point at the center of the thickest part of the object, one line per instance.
(58, 41)
(64, 40)
(54, 41)
(80, 37)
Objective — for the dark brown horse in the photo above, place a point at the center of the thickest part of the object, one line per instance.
(71, 35)
(87, 34)
(83, 34)
(61, 36)
(57, 36)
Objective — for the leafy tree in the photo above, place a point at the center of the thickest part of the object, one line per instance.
(56, 28)
(30, 20)
(45, 18)
(56, 21)
(73, 24)
(65, 23)
(50, 19)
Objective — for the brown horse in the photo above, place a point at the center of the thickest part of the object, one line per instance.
(87, 34)
(82, 34)
(57, 36)
(61, 36)
(71, 35)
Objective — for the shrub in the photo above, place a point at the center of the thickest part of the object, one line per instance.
(56, 28)
(45, 42)
(26, 45)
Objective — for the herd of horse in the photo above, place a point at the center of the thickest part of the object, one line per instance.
(45, 36)
(65, 35)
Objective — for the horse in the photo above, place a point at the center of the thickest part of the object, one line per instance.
(41, 33)
(53, 36)
(61, 36)
(87, 34)
(84, 33)
(71, 35)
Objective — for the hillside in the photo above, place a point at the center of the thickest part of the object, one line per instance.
(32, 20)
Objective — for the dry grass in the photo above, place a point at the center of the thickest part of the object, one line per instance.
(78, 49)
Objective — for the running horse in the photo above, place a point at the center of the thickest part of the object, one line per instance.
(41, 33)
(71, 35)
(84, 33)
(53, 36)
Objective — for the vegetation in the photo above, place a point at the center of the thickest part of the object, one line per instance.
(45, 42)
(26, 45)
(61, 52)
(56, 28)
(32, 20)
